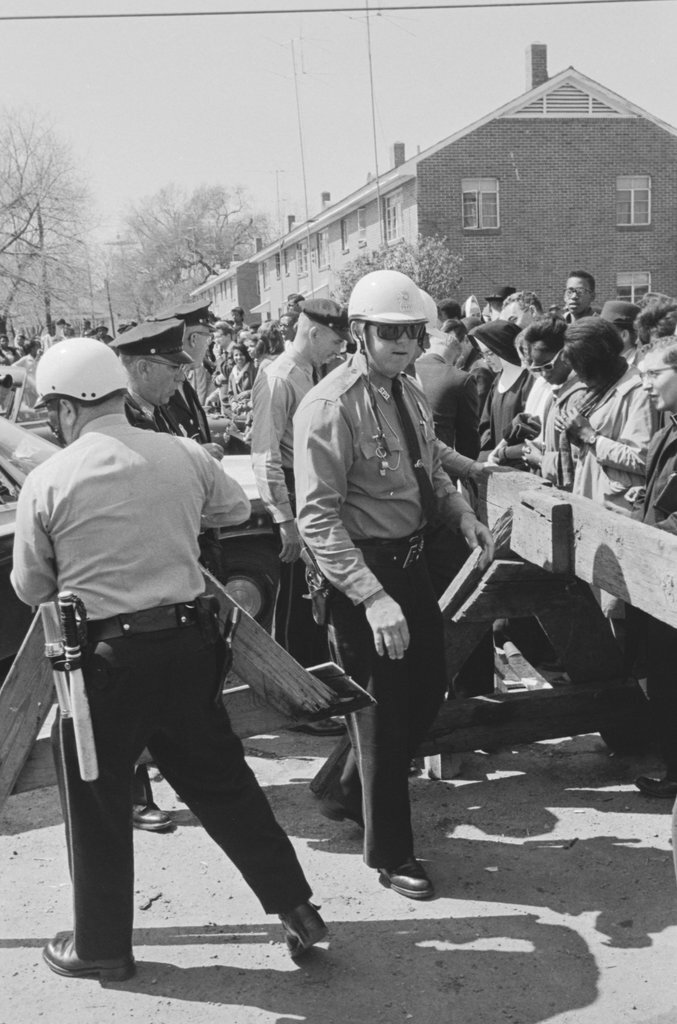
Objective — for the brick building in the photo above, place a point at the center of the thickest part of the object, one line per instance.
(236, 286)
(568, 175)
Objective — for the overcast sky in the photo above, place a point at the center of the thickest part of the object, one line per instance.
(204, 100)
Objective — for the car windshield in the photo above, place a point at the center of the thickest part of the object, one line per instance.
(20, 452)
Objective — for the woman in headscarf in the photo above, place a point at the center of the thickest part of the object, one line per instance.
(507, 395)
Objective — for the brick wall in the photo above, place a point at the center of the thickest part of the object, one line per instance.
(557, 186)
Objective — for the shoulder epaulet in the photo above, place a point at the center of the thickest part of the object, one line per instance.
(337, 383)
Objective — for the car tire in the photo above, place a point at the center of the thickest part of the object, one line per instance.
(252, 571)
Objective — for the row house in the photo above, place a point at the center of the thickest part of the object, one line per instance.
(236, 286)
(567, 176)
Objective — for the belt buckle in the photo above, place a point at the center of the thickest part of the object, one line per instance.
(415, 549)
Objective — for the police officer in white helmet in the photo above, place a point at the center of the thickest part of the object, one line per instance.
(368, 481)
(114, 518)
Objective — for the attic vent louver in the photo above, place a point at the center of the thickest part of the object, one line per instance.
(567, 100)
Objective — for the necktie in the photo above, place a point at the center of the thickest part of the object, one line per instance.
(428, 500)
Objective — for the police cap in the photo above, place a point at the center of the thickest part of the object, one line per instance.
(190, 312)
(155, 338)
(328, 313)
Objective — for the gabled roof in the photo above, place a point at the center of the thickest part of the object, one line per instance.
(570, 94)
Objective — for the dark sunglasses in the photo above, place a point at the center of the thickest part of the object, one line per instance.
(391, 332)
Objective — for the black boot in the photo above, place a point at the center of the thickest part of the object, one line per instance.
(145, 812)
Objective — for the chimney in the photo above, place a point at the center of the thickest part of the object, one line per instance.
(537, 65)
(398, 154)
(291, 220)
(258, 244)
(326, 199)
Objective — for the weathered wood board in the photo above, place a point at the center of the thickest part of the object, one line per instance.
(636, 563)
(25, 699)
(278, 694)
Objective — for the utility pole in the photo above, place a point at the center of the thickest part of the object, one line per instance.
(373, 128)
(46, 296)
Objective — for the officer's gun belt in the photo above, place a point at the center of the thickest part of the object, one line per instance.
(400, 553)
(149, 620)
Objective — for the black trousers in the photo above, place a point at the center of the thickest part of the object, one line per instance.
(294, 627)
(409, 692)
(158, 690)
(661, 685)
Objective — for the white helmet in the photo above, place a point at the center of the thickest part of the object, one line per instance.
(386, 297)
(81, 368)
(431, 315)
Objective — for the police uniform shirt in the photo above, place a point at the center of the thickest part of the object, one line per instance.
(277, 392)
(349, 486)
(118, 511)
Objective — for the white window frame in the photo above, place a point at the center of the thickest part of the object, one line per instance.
(638, 186)
(393, 227)
(278, 266)
(477, 212)
(286, 259)
(633, 284)
(323, 248)
(362, 222)
(345, 234)
(265, 276)
(302, 258)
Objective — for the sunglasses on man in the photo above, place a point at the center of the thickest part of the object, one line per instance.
(392, 332)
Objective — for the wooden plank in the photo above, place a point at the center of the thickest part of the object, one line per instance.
(636, 563)
(479, 723)
(552, 546)
(460, 640)
(500, 491)
(581, 635)
(514, 672)
(25, 699)
(507, 600)
(38, 771)
(463, 585)
(277, 679)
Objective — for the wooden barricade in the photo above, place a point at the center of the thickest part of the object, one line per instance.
(278, 694)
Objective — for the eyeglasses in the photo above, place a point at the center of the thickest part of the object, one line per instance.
(392, 332)
(576, 291)
(543, 367)
(179, 369)
(652, 374)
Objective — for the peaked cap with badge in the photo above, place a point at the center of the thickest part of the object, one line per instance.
(161, 338)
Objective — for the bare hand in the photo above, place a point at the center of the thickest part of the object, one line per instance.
(291, 541)
(577, 427)
(532, 456)
(388, 624)
(476, 534)
(635, 495)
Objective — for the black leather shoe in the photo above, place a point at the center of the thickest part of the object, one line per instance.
(303, 927)
(60, 957)
(150, 818)
(665, 789)
(408, 879)
(335, 811)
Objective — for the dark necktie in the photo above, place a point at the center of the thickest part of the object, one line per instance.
(428, 500)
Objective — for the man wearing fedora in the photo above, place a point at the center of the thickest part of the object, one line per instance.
(622, 315)
(494, 307)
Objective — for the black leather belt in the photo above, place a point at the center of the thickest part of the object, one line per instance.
(150, 620)
(399, 553)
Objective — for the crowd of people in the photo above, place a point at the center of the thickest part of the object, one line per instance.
(361, 423)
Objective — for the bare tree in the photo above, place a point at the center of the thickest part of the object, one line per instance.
(174, 241)
(43, 207)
